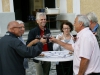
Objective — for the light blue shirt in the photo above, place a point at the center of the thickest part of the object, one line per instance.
(95, 28)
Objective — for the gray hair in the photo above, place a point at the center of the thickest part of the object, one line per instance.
(38, 14)
(92, 17)
(19, 21)
(84, 19)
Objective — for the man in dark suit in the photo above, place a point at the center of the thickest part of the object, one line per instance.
(42, 67)
(13, 51)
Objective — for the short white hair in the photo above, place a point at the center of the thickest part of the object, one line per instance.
(92, 17)
(19, 21)
(38, 14)
(84, 19)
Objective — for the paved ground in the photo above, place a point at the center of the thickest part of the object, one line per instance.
(32, 70)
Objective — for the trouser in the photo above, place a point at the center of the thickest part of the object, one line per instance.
(94, 74)
(42, 68)
(65, 68)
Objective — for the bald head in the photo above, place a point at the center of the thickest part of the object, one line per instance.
(15, 28)
(11, 25)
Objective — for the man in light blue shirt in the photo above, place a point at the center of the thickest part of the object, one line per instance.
(94, 26)
(25, 63)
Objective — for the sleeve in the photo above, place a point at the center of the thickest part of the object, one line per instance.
(56, 46)
(86, 47)
(31, 36)
(25, 51)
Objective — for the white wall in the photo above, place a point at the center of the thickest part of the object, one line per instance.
(76, 6)
(0, 5)
(63, 6)
(11, 6)
(6, 17)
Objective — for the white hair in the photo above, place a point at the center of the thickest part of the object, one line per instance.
(92, 17)
(19, 21)
(84, 19)
(38, 14)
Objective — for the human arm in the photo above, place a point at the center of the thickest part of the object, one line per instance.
(33, 42)
(65, 45)
(83, 66)
(56, 47)
(24, 51)
(36, 41)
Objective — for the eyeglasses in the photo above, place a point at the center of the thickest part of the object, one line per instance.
(19, 27)
(43, 19)
(66, 28)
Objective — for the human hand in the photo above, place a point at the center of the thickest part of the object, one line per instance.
(41, 54)
(43, 40)
(60, 37)
(53, 39)
(37, 40)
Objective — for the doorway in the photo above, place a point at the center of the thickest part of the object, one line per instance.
(22, 11)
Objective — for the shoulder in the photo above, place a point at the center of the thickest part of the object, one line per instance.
(13, 41)
(61, 34)
(48, 30)
(34, 30)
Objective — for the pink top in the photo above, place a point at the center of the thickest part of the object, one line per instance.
(86, 46)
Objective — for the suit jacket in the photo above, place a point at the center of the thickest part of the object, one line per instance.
(32, 35)
(98, 35)
(36, 31)
(12, 54)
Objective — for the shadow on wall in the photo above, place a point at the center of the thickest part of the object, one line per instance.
(66, 16)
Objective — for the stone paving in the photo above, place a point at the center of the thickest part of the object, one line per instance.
(32, 71)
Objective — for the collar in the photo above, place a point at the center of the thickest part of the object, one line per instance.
(41, 29)
(82, 31)
(95, 28)
(11, 34)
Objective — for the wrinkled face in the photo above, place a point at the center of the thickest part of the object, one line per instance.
(17, 29)
(66, 29)
(41, 21)
(77, 25)
(22, 28)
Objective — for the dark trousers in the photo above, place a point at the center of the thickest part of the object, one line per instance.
(94, 74)
(64, 68)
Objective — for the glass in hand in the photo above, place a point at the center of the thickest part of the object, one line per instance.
(49, 35)
(38, 37)
(74, 35)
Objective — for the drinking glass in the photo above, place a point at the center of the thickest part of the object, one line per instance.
(38, 37)
(47, 36)
(75, 37)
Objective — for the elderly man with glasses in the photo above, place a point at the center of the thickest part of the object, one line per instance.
(13, 51)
